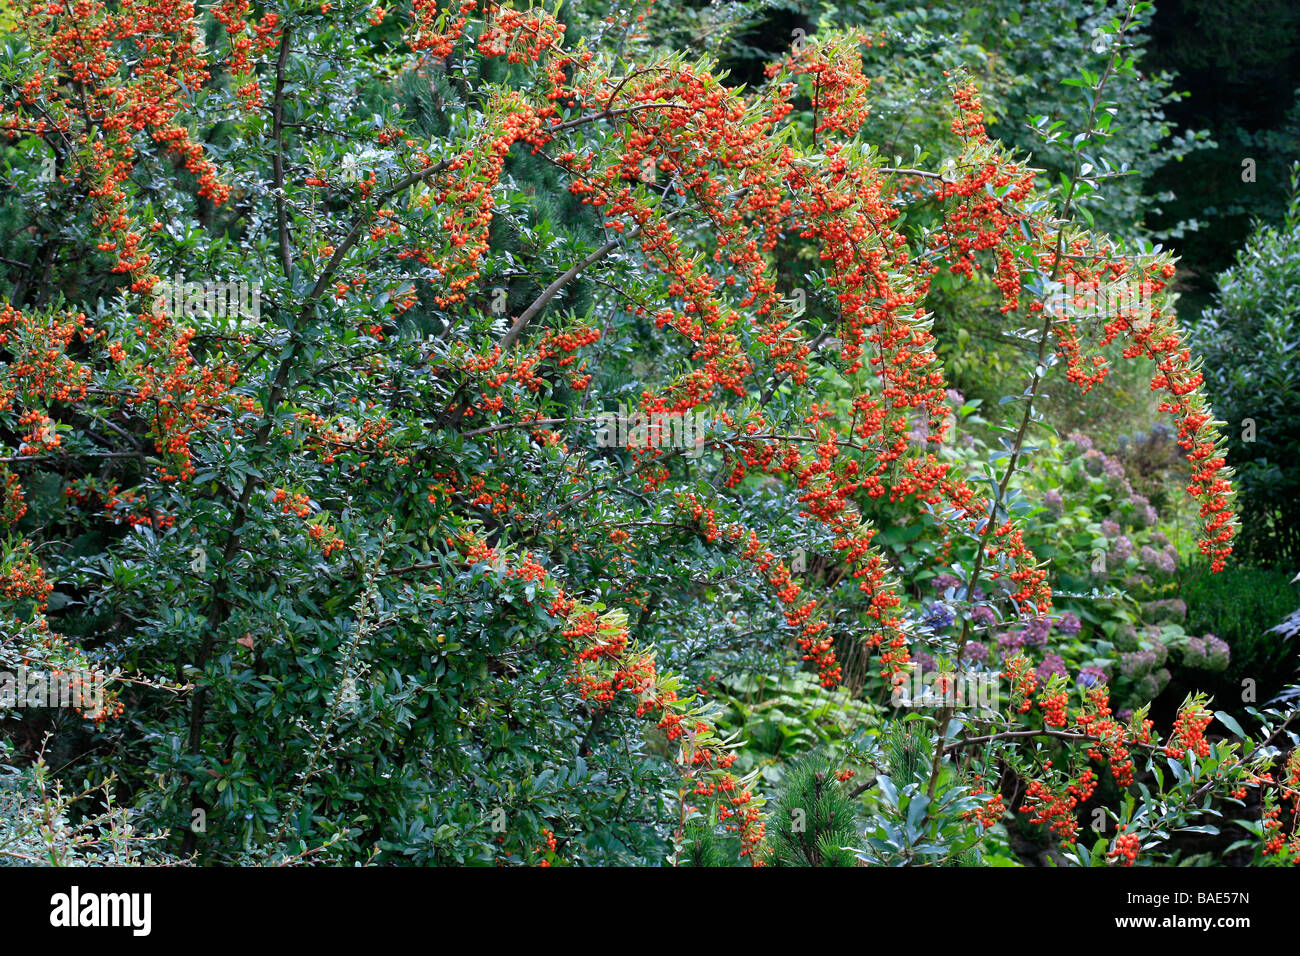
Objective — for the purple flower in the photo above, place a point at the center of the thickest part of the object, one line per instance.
(1110, 529)
(1126, 638)
(937, 618)
(1092, 676)
(1069, 624)
(1158, 560)
(983, 616)
(1217, 653)
(976, 652)
(1137, 663)
(1150, 686)
(1168, 609)
(1146, 514)
(1010, 642)
(1053, 665)
(945, 581)
(1206, 653)
(1120, 551)
(1036, 632)
(924, 662)
(1158, 647)
(1052, 499)
(1138, 582)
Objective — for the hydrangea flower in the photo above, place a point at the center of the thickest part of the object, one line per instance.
(1053, 665)
(937, 618)
(1069, 625)
(1217, 652)
(1036, 632)
(1136, 663)
(1138, 582)
(1010, 641)
(1168, 609)
(1206, 653)
(1150, 686)
(1172, 552)
(1126, 638)
(945, 581)
(1157, 646)
(1146, 514)
(1120, 551)
(1161, 561)
(1092, 676)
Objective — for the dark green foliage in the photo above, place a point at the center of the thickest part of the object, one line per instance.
(399, 703)
(814, 823)
(1251, 343)
(1240, 67)
(704, 848)
(1026, 59)
(908, 753)
(1239, 605)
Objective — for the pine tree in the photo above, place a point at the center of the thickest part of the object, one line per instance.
(814, 823)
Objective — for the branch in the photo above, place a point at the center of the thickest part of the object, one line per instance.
(277, 158)
(1036, 380)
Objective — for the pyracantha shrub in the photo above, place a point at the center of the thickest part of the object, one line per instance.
(369, 585)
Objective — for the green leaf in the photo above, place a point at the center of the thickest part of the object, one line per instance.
(1230, 722)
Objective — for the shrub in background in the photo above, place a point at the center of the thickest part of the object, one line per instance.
(1250, 341)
